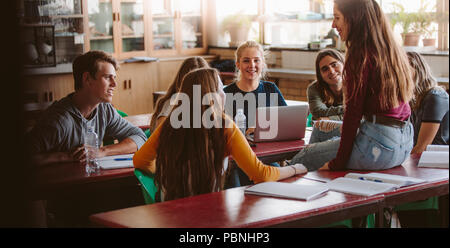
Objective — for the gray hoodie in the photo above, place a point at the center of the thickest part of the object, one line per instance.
(61, 127)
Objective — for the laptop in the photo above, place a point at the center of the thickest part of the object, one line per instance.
(280, 123)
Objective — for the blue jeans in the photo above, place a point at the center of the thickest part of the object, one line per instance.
(238, 177)
(376, 147)
(320, 136)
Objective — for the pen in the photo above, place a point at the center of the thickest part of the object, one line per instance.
(122, 159)
(374, 180)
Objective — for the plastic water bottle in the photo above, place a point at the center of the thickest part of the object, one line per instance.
(241, 120)
(91, 144)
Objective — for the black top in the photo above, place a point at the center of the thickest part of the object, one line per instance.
(269, 95)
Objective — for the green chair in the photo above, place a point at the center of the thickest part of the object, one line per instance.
(431, 203)
(121, 113)
(370, 222)
(110, 142)
(148, 186)
(309, 120)
(147, 133)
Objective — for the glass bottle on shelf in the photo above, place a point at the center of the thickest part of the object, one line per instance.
(101, 25)
(163, 25)
(132, 25)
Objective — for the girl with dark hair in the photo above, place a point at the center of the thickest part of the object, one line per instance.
(376, 133)
(325, 95)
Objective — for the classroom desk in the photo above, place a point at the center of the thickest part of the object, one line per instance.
(436, 185)
(142, 121)
(56, 177)
(232, 208)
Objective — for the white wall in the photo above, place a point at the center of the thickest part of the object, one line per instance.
(306, 61)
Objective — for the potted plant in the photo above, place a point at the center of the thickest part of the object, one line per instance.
(238, 26)
(424, 24)
(410, 33)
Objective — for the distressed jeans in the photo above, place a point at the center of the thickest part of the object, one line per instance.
(376, 147)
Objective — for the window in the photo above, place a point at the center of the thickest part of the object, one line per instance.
(245, 8)
(295, 23)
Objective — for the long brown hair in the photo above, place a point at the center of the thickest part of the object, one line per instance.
(373, 49)
(190, 160)
(326, 93)
(423, 79)
(188, 65)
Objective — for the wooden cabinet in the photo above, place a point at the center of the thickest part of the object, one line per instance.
(44, 89)
(135, 84)
(178, 27)
(117, 27)
(128, 28)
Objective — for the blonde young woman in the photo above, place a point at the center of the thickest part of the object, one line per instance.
(190, 160)
(251, 66)
(376, 133)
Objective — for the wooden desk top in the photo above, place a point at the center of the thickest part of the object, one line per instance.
(55, 176)
(437, 181)
(142, 121)
(408, 168)
(232, 208)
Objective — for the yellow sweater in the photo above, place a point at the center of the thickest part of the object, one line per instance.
(237, 146)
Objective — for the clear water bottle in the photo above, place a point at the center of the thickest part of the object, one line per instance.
(241, 120)
(91, 144)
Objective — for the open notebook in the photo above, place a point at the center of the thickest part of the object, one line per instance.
(116, 161)
(287, 190)
(435, 156)
(370, 183)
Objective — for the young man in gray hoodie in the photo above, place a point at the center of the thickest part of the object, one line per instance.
(58, 134)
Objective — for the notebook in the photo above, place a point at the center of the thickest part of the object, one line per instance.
(287, 190)
(280, 123)
(359, 187)
(442, 148)
(434, 159)
(400, 181)
(116, 162)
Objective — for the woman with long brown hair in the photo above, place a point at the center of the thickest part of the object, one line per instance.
(189, 157)
(325, 96)
(430, 107)
(376, 133)
(162, 108)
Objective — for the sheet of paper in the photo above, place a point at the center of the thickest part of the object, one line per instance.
(116, 161)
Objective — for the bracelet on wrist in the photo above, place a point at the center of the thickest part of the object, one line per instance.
(295, 170)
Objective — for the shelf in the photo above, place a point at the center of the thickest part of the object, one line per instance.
(132, 36)
(57, 35)
(66, 16)
(109, 37)
(162, 16)
(162, 35)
